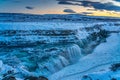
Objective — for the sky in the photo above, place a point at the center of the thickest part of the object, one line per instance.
(86, 7)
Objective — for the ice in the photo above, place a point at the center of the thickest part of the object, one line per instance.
(104, 54)
(59, 47)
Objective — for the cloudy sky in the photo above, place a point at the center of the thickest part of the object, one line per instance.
(88, 7)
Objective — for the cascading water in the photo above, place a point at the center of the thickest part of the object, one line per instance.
(53, 64)
(72, 53)
(41, 59)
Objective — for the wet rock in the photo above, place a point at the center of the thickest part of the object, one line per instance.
(115, 67)
(9, 78)
(113, 79)
(85, 77)
(31, 78)
(36, 78)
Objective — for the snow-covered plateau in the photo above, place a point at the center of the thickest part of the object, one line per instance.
(59, 47)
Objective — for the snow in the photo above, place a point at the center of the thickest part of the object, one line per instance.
(60, 56)
(49, 32)
(105, 53)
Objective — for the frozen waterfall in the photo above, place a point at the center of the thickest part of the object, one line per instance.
(72, 53)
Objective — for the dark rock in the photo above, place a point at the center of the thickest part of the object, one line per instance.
(36, 78)
(85, 77)
(9, 78)
(113, 79)
(42, 78)
(115, 67)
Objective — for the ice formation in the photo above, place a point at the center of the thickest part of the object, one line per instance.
(57, 46)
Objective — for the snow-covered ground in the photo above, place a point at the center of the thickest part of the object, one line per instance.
(99, 61)
(58, 50)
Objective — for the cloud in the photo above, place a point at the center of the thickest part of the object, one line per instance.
(86, 13)
(100, 6)
(96, 4)
(92, 9)
(69, 11)
(67, 2)
(29, 7)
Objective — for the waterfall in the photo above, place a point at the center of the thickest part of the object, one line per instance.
(54, 64)
(83, 42)
(72, 53)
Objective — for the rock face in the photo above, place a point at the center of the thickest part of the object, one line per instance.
(25, 34)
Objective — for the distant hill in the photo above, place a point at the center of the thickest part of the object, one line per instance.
(20, 17)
